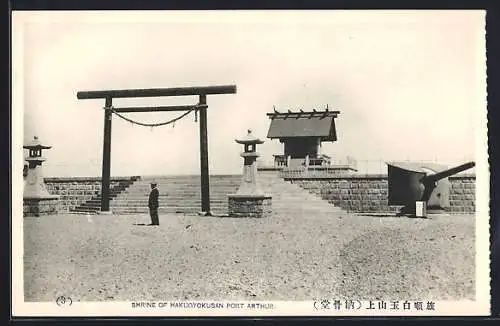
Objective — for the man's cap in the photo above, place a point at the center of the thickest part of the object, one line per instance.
(154, 183)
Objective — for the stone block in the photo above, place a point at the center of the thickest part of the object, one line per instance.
(383, 185)
(40, 206)
(249, 206)
(344, 184)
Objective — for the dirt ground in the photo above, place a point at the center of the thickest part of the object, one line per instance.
(298, 257)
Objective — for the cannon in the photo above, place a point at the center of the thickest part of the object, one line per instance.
(410, 183)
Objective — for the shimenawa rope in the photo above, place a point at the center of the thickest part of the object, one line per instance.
(151, 124)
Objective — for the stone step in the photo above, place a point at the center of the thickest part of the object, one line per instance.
(219, 207)
(87, 205)
(168, 201)
(188, 178)
(132, 206)
(213, 199)
(171, 190)
(178, 193)
(84, 210)
(195, 209)
(277, 207)
(213, 195)
(193, 179)
(217, 197)
(189, 182)
(182, 187)
(166, 210)
(164, 206)
(167, 198)
(170, 210)
(192, 213)
(124, 206)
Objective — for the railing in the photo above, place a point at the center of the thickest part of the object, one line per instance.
(281, 161)
(316, 171)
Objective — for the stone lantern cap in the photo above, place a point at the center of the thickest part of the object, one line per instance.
(249, 139)
(36, 144)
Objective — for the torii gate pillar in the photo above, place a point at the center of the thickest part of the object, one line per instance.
(204, 175)
(106, 157)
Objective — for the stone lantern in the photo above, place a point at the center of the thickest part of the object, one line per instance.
(36, 199)
(249, 200)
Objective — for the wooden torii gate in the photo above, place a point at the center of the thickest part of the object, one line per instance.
(202, 106)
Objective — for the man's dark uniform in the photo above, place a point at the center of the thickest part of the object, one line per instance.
(153, 204)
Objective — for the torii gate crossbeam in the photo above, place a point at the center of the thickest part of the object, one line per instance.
(201, 92)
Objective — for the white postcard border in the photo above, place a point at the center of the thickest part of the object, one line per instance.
(481, 306)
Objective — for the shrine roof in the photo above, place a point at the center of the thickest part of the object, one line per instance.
(303, 124)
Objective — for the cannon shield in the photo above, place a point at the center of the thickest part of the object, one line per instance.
(412, 182)
(406, 183)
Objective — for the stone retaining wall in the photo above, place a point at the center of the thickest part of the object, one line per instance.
(463, 194)
(77, 190)
(368, 193)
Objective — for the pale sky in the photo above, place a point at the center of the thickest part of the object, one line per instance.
(409, 85)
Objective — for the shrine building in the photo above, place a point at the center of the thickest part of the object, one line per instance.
(302, 134)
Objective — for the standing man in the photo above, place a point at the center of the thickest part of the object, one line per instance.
(153, 204)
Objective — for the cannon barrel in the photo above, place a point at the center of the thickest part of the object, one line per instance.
(444, 174)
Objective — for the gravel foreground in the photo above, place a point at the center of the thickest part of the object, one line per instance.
(303, 257)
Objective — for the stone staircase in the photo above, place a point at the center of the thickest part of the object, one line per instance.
(291, 198)
(178, 194)
(181, 194)
(93, 205)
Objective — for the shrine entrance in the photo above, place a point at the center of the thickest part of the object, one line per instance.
(199, 109)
